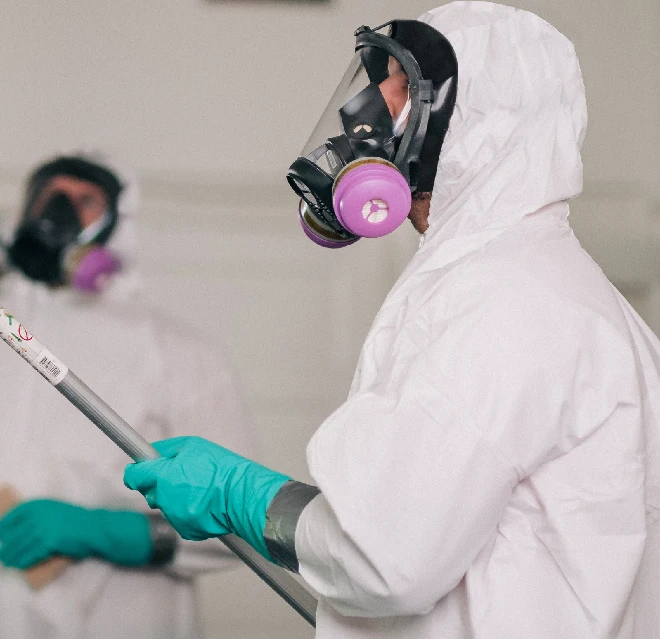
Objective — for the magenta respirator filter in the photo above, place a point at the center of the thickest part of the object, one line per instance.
(371, 198)
(317, 239)
(91, 268)
(319, 232)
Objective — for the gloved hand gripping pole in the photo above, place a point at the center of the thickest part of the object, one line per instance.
(138, 449)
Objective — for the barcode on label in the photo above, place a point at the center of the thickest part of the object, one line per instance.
(50, 366)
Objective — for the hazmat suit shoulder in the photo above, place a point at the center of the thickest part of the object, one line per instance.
(492, 447)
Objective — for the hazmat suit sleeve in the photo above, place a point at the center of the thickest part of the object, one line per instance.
(202, 399)
(417, 468)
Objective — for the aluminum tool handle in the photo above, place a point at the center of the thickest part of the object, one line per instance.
(100, 414)
(139, 449)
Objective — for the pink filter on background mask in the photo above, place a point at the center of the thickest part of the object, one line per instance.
(92, 271)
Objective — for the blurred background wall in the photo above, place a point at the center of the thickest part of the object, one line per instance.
(209, 103)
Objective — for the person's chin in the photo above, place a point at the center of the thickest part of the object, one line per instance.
(419, 212)
(417, 225)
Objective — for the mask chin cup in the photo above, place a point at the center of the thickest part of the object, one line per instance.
(91, 267)
(319, 232)
(35, 259)
(371, 198)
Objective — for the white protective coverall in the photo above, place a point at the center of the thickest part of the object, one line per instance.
(495, 471)
(164, 384)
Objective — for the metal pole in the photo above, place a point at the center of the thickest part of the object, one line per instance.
(139, 449)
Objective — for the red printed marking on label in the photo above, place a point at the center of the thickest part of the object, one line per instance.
(23, 334)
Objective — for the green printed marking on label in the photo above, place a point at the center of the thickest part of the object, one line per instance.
(17, 337)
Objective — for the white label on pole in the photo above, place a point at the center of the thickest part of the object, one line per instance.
(17, 336)
(50, 367)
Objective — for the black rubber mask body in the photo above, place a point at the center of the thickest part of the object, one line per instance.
(367, 125)
(40, 243)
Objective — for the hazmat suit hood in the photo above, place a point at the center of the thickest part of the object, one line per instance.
(512, 149)
(514, 139)
(123, 242)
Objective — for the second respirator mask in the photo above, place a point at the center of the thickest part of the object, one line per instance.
(51, 245)
(379, 139)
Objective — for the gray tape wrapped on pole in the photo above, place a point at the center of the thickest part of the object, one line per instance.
(137, 448)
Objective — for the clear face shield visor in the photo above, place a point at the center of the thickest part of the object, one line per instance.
(367, 115)
(363, 125)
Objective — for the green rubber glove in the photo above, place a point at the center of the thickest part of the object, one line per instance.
(36, 530)
(205, 490)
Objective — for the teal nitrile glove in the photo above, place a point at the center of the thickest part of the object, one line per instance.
(36, 530)
(205, 490)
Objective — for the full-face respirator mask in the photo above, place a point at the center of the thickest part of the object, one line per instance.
(380, 137)
(51, 245)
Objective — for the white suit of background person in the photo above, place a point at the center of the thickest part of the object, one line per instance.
(495, 471)
(157, 378)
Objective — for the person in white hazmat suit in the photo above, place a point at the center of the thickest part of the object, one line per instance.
(495, 471)
(71, 278)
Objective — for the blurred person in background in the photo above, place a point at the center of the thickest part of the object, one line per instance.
(494, 471)
(82, 560)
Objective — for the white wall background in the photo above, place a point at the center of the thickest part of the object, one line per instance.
(209, 103)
